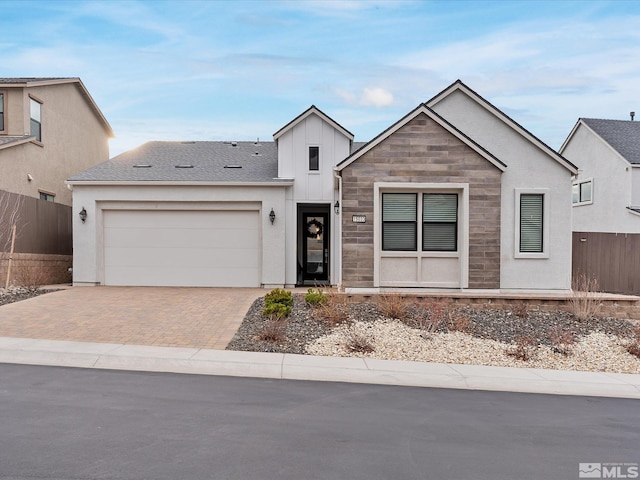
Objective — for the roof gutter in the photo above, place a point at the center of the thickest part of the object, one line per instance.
(142, 183)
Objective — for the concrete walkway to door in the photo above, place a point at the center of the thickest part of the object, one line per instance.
(157, 316)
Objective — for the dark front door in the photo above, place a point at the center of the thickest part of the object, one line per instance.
(315, 246)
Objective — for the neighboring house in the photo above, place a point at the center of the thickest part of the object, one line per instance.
(453, 196)
(50, 128)
(606, 201)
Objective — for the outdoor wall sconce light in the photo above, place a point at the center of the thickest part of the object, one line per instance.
(83, 215)
(336, 207)
(272, 216)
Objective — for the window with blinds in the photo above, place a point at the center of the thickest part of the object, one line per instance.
(531, 222)
(439, 222)
(439, 212)
(399, 221)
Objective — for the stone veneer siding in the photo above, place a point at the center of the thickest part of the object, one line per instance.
(422, 152)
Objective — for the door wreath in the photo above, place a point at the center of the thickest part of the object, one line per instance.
(314, 229)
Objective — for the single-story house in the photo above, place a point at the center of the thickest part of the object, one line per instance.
(453, 196)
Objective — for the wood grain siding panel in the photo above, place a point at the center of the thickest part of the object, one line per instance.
(422, 152)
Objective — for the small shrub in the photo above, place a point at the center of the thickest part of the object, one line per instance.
(334, 310)
(276, 310)
(634, 347)
(394, 306)
(30, 275)
(523, 349)
(315, 297)
(520, 310)
(562, 340)
(585, 301)
(458, 322)
(273, 330)
(431, 315)
(280, 296)
(358, 341)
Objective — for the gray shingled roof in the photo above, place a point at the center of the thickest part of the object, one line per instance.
(29, 79)
(622, 135)
(208, 161)
(7, 140)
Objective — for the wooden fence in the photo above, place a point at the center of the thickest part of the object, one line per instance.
(41, 227)
(613, 259)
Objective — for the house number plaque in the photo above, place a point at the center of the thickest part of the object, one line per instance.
(359, 219)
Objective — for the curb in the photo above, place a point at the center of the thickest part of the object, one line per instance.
(306, 367)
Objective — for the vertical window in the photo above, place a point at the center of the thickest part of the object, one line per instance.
(36, 121)
(582, 192)
(531, 223)
(399, 221)
(440, 222)
(1, 111)
(314, 158)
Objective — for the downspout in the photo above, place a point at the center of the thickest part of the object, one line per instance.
(339, 232)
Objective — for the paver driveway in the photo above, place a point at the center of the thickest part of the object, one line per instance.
(161, 316)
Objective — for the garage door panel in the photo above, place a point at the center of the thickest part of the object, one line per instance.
(181, 219)
(181, 248)
(193, 258)
(180, 277)
(170, 238)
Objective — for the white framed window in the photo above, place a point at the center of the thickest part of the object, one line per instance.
(582, 192)
(439, 225)
(35, 108)
(532, 223)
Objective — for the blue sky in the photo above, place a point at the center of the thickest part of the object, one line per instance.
(238, 70)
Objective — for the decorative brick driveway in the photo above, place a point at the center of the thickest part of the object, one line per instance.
(160, 316)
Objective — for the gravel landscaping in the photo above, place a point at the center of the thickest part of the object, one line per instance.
(15, 294)
(436, 331)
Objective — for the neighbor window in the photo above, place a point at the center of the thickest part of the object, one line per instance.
(531, 223)
(36, 120)
(399, 221)
(439, 212)
(314, 158)
(2, 97)
(47, 196)
(582, 192)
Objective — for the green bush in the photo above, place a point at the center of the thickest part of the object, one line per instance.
(277, 310)
(315, 297)
(280, 296)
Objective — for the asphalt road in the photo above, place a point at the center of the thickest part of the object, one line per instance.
(62, 423)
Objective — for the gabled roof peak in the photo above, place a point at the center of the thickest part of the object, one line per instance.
(313, 110)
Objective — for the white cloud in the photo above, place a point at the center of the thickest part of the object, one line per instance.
(376, 97)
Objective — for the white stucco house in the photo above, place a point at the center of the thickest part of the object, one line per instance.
(606, 195)
(453, 196)
(606, 202)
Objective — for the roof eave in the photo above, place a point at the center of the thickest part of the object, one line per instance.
(422, 108)
(459, 85)
(279, 183)
(313, 110)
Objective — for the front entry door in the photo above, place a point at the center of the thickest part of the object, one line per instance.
(315, 246)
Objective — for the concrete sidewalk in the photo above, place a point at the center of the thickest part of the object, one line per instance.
(305, 367)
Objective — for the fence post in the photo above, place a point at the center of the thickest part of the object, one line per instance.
(13, 239)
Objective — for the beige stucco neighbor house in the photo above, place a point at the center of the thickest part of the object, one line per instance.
(50, 128)
(453, 196)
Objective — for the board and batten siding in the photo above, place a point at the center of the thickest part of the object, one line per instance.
(422, 152)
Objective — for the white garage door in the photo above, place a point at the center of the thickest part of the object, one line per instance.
(181, 248)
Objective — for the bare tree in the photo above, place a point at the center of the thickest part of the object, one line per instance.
(10, 209)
